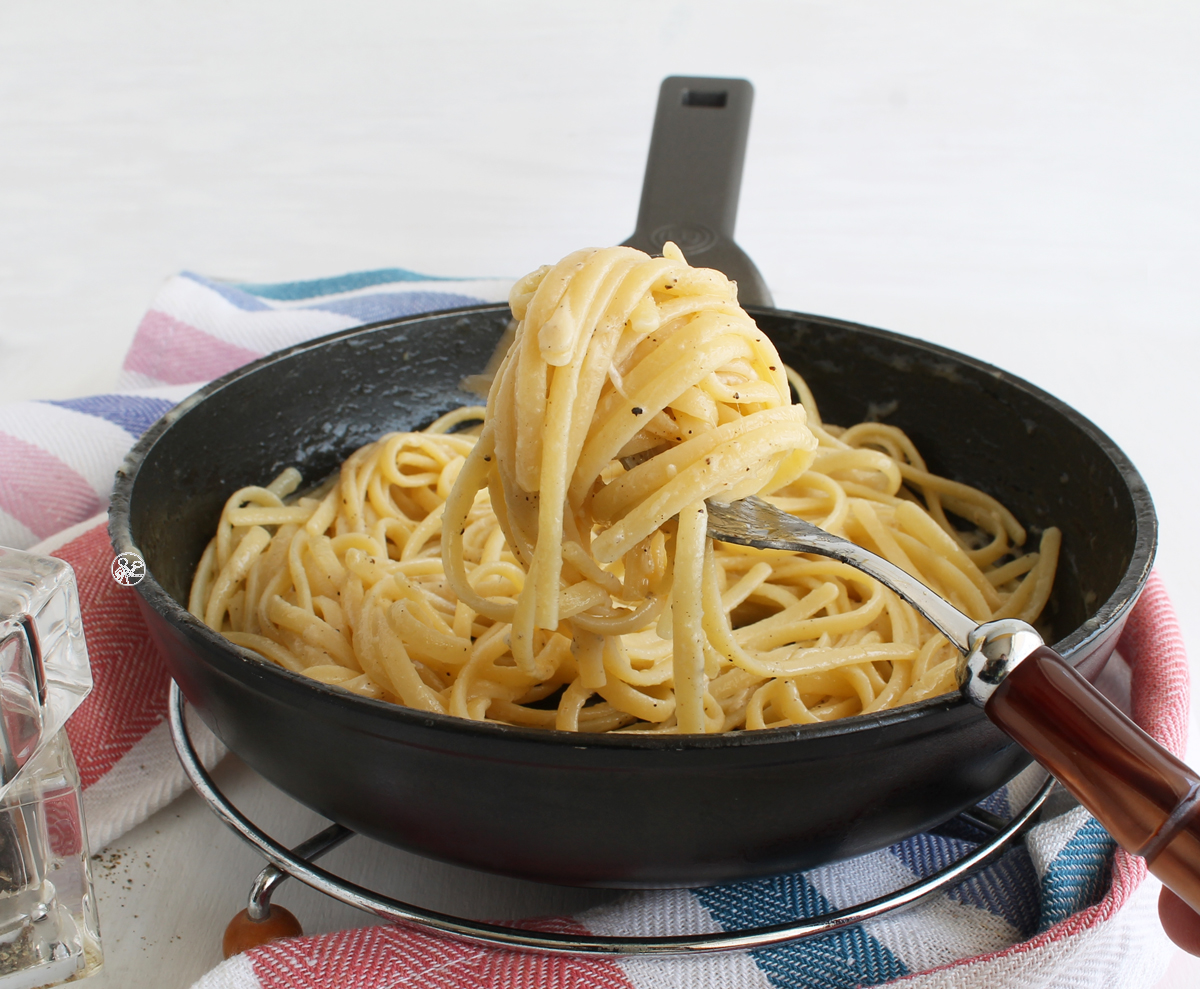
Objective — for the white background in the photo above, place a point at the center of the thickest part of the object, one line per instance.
(1015, 180)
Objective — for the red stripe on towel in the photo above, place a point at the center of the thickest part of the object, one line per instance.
(178, 354)
(129, 696)
(42, 492)
(1152, 644)
(404, 959)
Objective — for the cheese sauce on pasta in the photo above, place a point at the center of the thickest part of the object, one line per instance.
(552, 569)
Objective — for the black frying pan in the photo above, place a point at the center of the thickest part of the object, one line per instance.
(622, 810)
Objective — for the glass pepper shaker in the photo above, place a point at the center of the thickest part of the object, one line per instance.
(49, 932)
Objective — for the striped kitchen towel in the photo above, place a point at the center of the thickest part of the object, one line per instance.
(1061, 910)
(61, 456)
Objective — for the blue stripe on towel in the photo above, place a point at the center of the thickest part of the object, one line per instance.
(926, 854)
(133, 413)
(847, 957)
(1079, 874)
(998, 803)
(298, 291)
(1007, 888)
(389, 305)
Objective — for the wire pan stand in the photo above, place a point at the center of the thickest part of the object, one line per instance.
(298, 863)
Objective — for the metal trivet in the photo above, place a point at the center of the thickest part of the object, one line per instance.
(298, 863)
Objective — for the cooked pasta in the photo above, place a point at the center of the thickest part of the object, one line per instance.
(551, 568)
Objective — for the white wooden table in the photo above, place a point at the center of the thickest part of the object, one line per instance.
(1017, 181)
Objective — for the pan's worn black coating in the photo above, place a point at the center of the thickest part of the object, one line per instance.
(619, 810)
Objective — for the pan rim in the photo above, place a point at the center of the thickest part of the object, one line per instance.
(1109, 613)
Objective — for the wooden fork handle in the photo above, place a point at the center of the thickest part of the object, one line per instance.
(1146, 798)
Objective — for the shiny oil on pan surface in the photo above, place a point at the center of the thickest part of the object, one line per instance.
(619, 810)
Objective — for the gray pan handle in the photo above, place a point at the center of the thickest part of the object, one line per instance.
(694, 176)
